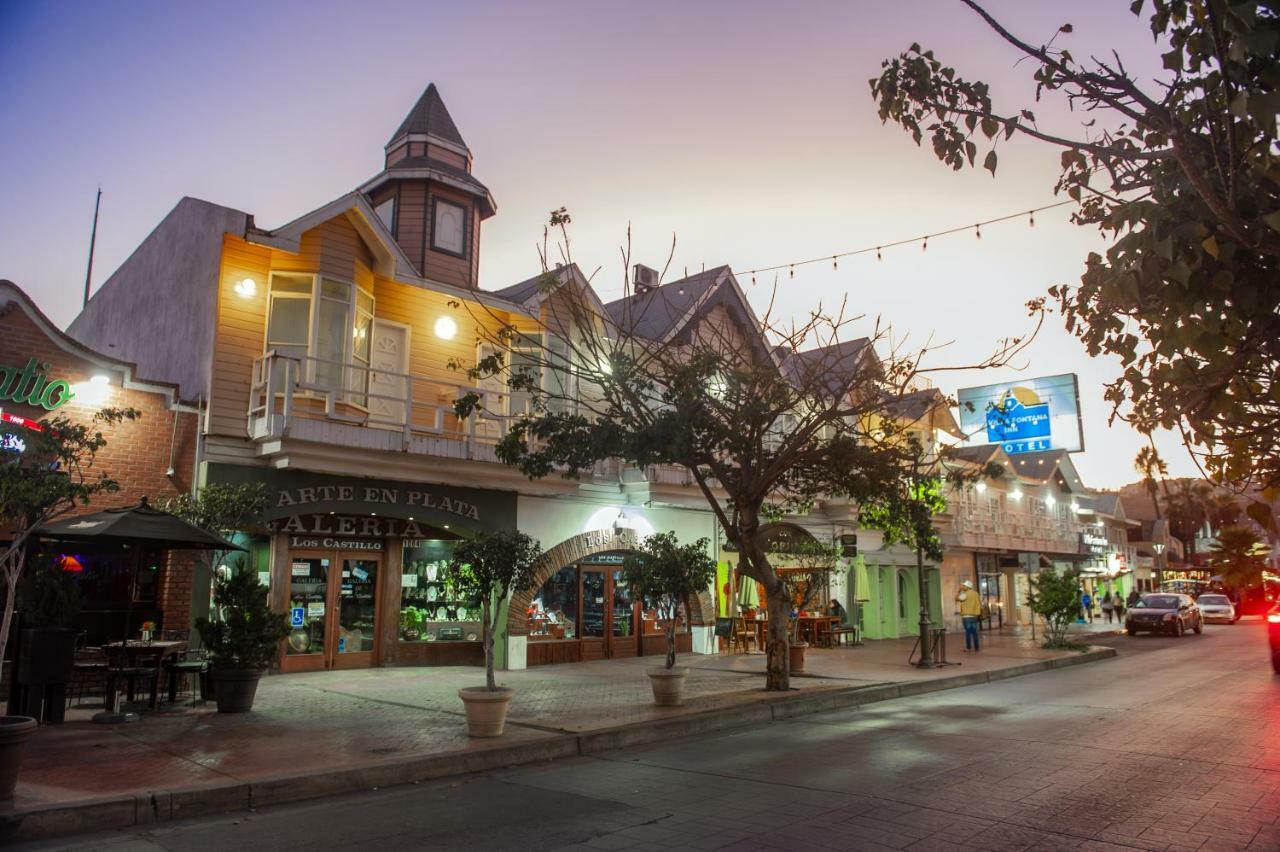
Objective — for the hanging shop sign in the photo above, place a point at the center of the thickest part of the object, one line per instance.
(30, 385)
(1093, 540)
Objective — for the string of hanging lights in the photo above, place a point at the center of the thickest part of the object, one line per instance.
(976, 227)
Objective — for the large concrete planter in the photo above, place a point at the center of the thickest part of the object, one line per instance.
(14, 733)
(234, 689)
(486, 709)
(667, 685)
(797, 656)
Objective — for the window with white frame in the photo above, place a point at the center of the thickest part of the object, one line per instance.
(449, 227)
(325, 324)
(547, 359)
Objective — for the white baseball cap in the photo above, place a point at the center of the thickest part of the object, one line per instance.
(968, 584)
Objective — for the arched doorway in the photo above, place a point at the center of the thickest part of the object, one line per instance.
(579, 609)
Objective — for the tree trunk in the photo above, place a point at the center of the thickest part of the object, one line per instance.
(489, 628)
(11, 565)
(778, 645)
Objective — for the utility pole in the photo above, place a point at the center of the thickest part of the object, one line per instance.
(93, 239)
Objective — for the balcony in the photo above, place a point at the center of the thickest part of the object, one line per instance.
(310, 399)
(1030, 527)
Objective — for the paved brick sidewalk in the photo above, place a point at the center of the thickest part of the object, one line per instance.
(324, 722)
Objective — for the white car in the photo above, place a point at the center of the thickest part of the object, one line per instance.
(1217, 608)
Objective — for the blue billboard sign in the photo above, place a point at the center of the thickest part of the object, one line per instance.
(1025, 416)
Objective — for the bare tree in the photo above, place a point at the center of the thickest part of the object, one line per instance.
(762, 415)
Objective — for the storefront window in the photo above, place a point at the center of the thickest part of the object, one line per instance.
(553, 614)
(623, 607)
(308, 594)
(431, 608)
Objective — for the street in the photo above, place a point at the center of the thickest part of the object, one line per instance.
(1173, 745)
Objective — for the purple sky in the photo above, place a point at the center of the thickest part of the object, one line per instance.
(745, 128)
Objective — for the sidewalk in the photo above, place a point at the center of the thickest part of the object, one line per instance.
(327, 732)
(1080, 632)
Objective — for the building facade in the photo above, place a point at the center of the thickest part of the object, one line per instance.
(46, 374)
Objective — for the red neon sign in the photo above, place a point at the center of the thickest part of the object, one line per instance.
(16, 420)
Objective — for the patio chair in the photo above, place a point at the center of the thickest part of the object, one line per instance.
(193, 664)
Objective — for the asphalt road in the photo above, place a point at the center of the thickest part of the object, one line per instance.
(1175, 744)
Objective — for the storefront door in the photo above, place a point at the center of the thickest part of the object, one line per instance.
(333, 605)
(608, 615)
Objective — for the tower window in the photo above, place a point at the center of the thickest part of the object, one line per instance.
(386, 211)
(449, 227)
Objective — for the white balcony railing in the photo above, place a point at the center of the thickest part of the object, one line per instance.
(300, 396)
(1029, 527)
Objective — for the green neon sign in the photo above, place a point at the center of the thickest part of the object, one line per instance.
(31, 386)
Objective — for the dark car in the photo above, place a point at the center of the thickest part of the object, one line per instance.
(1164, 612)
(1273, 636)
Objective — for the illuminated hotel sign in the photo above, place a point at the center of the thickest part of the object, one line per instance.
(30, 385)
(1027, 416)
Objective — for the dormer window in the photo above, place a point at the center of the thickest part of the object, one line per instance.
(449, 227)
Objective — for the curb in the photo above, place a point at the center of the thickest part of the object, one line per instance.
(185, 803)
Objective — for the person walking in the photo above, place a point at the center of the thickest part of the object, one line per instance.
(1087, 602)
(1120, 608)
(1108, 607)
(969, 606)
(1134, 597)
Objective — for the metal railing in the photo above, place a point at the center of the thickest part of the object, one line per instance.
(286, 388)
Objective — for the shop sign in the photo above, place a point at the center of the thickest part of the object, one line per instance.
(1094, 540)
(30, 386)
(332, 543)
(350, 527)
(410, 498)
(295, 493)
(301, 569)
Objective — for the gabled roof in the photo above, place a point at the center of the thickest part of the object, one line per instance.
(915, 406)
(979, 455)
(429, 116)
(658, 313)
(389, 259)
(1037, 466)
(832, 368)
(533, 292)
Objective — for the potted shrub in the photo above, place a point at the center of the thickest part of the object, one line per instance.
(49, 601)
(243, 641)
(489, 568)
(664, 574)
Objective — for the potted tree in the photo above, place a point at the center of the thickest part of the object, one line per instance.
(243, 641)
(49, 602)
(664, 574)
(488, 569)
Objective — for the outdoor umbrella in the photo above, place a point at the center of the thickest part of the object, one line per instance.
(143, 528)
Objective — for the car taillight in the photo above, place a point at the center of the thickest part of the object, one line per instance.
(1274, 617)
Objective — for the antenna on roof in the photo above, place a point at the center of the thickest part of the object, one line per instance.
(93, 238)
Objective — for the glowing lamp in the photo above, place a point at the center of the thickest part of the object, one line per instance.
(246, 288)
(446, 328)
(93, 392)
(1015, 494)
(981, 487)
(1049, 501)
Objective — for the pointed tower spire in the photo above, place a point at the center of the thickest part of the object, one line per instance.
(429, 118)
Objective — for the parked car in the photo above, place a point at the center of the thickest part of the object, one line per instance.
(1215, 607)
(1163, 611)
(1273, 636)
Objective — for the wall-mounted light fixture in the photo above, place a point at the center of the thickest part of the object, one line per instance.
(246, 288)
(93, 392)
(1049, 501)
(981, 487)
(446, 328)
(1016, 494)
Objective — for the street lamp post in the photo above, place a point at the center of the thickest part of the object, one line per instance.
(1158, 547)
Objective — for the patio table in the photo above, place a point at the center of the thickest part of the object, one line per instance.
(139, 655)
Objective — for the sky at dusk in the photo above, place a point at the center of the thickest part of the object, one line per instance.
(746, 129)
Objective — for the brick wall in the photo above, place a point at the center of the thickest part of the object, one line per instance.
(138, 453)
